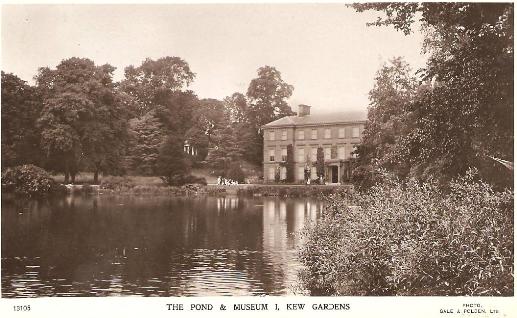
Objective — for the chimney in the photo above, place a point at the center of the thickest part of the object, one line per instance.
(304, 110)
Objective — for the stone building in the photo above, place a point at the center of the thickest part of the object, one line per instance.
(337, 134)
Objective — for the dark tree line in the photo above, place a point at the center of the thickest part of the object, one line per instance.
(76, 118)
(455, 113)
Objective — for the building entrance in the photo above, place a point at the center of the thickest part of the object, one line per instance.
(334, 174)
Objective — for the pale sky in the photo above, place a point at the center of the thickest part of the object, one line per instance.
(325, 51)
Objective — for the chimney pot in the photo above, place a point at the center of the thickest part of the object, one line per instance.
(304, 110)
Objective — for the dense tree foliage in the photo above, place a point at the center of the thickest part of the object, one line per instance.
(394, 90)
(21, 107)
(81, 121)
(267, 101)
(164, 114)
(172, 165)
(463, 114)
(236, 108)
(148, 82)
(225, 150)
(146, 138)
(207, 117)
(267, 95)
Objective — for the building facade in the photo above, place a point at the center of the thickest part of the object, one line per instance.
(337, 134)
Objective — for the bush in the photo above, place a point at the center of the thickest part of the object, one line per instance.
(179, 180)
(365, 177)
(117, 183)
(411, 238)
(235, 172)
(28, 180)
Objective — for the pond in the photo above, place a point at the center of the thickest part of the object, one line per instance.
(153, 246)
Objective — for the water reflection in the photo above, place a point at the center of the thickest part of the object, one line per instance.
(159, 246)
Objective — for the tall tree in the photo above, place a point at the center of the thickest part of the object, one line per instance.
(172, 165)
(148, 82)
(147, 136)
(79, 99)
(158, 90)
(236, 108)
(394, 90)
(267, 101)
(225, 150)
(466, 115)
(267, 95)
(21, 107)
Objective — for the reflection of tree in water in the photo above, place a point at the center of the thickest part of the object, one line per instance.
(159, 246)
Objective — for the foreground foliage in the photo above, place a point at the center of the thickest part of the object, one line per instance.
(412, 238)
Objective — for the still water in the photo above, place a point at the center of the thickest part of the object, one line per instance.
(153, 246)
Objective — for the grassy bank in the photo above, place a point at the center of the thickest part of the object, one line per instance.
(87, 178)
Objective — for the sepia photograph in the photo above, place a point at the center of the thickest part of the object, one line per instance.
(258, 149)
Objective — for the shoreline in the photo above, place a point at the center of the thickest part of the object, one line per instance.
(279, 190)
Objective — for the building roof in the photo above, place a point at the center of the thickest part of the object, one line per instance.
(318, 119)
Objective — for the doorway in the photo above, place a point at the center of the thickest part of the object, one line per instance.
(334, 174)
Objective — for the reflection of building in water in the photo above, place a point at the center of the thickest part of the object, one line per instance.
(275, 225)
(283, 220)
(227, 203)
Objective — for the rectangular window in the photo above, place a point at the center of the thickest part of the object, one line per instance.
(301, 134)
(283, 173)
(327, 153)
(271, 175)
(301, 155)
(271, 154)
(314, 154)
(355, 132)
(341, 152)
(301, 172)
(314, 134)
(284, 134)
(327, 133)
(342, 132)
(333, 152)
(272, 135)
(284, 154)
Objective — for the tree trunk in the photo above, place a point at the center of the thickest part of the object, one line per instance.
(72, 175)
(96, 177)
(67, 177)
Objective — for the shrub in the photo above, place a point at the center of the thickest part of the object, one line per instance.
(28, 180)
(172, 164)
(180, 179)
(411, 238)
(117, 183)
(235, 172)
(365, 177)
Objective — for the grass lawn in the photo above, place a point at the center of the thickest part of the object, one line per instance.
(87, 178)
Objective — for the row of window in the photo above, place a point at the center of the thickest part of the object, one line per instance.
(314, 133)
(301, 156)
(300, 173)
